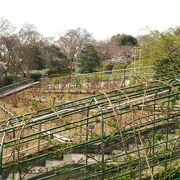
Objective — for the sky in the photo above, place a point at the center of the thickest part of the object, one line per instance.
(102, 18)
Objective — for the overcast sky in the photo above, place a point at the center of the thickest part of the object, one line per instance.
(102, 18)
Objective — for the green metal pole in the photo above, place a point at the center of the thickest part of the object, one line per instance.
(87, 137)
(102, 145)
(154, 122)
(167, 125)
(1, 152)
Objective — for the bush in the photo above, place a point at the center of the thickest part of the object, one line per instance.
(36, 76)
(119, 66)
(10, 79)
(168, 66)
(65, 70)
(52, 71)
(107, 67)
(142, 62)
(58, 72)
(54, 75)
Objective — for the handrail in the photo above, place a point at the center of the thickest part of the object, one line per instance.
(15, 85)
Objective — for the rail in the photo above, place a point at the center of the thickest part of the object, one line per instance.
(16, 85)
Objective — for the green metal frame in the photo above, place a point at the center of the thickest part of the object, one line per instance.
(150, 109)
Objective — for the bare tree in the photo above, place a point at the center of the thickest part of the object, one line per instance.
(73, 42)
(28, 34)
(10, 49)
(6, 28)
(111, 52)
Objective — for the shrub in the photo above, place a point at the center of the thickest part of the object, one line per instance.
(168, 66)
(54, 75)
(36, 76)
(65, 70)
(142, 62)
(107, 67)
(119, 66)
(52, 71)
(58, 72)
(10, 79)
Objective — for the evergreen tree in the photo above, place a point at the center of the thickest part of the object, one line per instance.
(88, 59)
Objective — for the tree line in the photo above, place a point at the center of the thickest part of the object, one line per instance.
(26, 50)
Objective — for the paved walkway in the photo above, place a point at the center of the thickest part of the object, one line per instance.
(18, 89)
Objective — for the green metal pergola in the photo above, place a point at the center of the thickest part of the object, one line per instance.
(129, 133)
